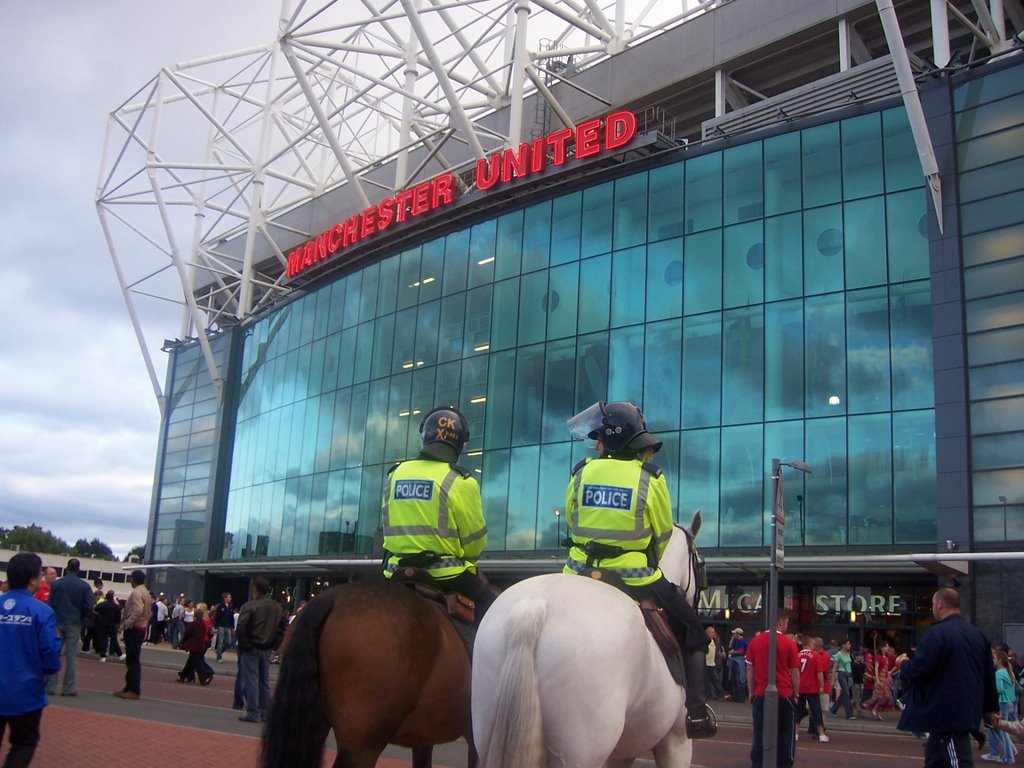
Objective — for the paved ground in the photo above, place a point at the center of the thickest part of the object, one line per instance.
(188, 725)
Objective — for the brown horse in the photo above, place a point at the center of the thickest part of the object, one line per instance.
(379, 665)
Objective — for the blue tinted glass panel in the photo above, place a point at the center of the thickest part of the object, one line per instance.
(825, 499)
(742, 478)
(987, 150)
(625, 363)
(532, 300)
(702, 370)
(536, 236)
(864, 242)
(408, 279)
(911, 324)
(862, 156)
(744, 190)
(478, 319)
(702, 272)
(449, 339)
(867, 350)
(870, 470)
(566, 214)
(481, 253)
(995, 312)
(902, 165)
(784, 360)
(427, 321)
(907, 235)
(997, 451)
(992, 180)
(783, 257)
(698, 480)
(471, 400)
(999, 416)
(529, 396)
(494, 494)
(824, 357)
(509, 247)
(993, 213)
(431, 269)
(703, 193)
(334, 318)
(595, 279)
(596, 221)
(383, 341)
(551, 529)
(822, 169)
(630, 211)
(665, 279)
(399, 414)
(456, 262)
(591, 370)
(504, 314)
(982, 90)
(364, 351)
(665, 213)
(744, 265)
(663, 375)
(403, 355)
(993, 279)
(562, 300)
(521, 506)
(500, 390)
(628, 286)
(823, 250)
(353, 286)
(913, 458)
(992, 346)
(742, 365)
(560, 370)
(997, 380)
(782, 174)
(785, 440)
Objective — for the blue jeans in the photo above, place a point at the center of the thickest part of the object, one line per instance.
(999, 744)
(845, 692)
(225, 639)
(738, 677)
(256, 682)
(70, 645)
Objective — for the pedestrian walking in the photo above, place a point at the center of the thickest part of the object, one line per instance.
(951, 683)
(195, 642)
(31, 649)
(224, 624)
(72, 600)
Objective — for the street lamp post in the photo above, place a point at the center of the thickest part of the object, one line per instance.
(558, 527)
(770, 726)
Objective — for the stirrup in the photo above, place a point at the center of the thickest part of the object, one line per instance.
(704, 727)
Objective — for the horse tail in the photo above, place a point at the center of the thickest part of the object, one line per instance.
(517, 736)
(294, 736)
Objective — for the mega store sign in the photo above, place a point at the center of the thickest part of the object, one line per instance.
(589, 139)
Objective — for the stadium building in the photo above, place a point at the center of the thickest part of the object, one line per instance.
(788, 230)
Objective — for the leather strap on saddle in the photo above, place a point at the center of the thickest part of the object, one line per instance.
(654, 618)
(458, 607)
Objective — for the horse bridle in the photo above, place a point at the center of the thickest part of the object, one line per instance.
(698, 568)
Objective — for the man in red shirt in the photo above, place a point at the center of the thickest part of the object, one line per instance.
(43, 593)
(812, 685)
(787, 680)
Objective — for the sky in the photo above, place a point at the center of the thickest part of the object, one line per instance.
(79, 420)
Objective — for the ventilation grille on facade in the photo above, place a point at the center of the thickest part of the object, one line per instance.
(858, 85)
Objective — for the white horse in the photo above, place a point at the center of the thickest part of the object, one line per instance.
(566, 674)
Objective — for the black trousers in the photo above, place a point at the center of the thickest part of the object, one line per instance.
(196, 664)
(133, 639)
(785, 739)
(948, 750)
(24, 737)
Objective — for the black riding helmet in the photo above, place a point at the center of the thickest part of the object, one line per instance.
(620, 426)
(445, 425)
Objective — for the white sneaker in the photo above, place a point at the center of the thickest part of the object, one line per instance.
(990, 758)
(796, 737)
(124, 656)
(823, 739)
(103, 658)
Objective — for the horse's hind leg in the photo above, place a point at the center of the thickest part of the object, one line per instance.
(673, 751)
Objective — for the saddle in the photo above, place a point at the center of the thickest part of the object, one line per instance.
(458, 607)
(654, 618)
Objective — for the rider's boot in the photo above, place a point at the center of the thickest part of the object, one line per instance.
(700, 718)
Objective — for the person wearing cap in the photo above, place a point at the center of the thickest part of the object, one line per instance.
(432, 513)
(620, 519)
(737, 665)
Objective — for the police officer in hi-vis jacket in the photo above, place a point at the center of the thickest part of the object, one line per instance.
(432, 514)
(620, 518)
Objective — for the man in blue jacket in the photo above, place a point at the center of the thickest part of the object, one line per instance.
(71, 598)
(31, 649)
(951, 682)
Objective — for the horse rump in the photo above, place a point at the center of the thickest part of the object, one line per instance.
(295, 734)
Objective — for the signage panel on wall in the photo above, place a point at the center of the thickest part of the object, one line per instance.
(590, 138)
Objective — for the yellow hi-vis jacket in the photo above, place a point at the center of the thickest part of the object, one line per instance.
(619, 503)
(433, 506)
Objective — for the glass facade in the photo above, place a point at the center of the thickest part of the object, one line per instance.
(770, 299)
(990, 158)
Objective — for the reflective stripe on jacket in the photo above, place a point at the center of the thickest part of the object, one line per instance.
(621, 504)
(431, 506)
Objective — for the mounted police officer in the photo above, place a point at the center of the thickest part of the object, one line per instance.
(432, 513)
(620, 518)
